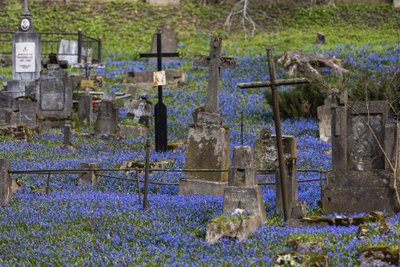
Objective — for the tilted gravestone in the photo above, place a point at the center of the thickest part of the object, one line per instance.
(208, 139)
(55, 97)
(107, 117)
(243, 200)
(266, 158)
(362, 178)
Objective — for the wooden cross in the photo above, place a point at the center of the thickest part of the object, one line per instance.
(160, 110)
(214, 62)
(273, 83)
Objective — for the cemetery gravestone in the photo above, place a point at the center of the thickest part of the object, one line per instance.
(55, 96)
(266, 158)
(362, 179)
(68, 51)
(208, 139)
(85, 111)
(26, 49)
(396, 3)
(107, 117)
(243, 196)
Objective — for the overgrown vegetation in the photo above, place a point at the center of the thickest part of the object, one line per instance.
(127, 27)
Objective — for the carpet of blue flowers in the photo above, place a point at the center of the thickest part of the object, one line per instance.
(105, 225)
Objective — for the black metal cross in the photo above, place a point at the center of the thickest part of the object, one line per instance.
(160, 110)
(214, 62)
(273, 83)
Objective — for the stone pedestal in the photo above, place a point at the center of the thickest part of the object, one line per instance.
(5, 182)
(88, 177)
(396, 3)
(358, 191)
(208, 148)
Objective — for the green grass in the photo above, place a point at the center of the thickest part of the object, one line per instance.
(127, 28)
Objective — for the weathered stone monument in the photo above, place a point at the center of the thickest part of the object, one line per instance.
(362, 178)
(266, 158)
(324, 118)
(242, 198)
(108, 116)
(208, 139)
(26, 57)
(396, 3)
(55, 97)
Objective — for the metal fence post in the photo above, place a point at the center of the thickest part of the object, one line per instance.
(80, 45)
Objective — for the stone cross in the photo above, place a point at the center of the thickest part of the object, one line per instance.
(160, 110)
(273, 83)
(214, 62)
(26, 8)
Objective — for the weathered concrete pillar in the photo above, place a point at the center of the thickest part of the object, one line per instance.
(5, 182)
(88, 177)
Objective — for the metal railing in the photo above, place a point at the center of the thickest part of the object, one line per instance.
(142, 170)
(50, 43)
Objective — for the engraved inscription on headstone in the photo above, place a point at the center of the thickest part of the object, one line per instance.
(25, 57)
(364, 143)
(52, 94)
